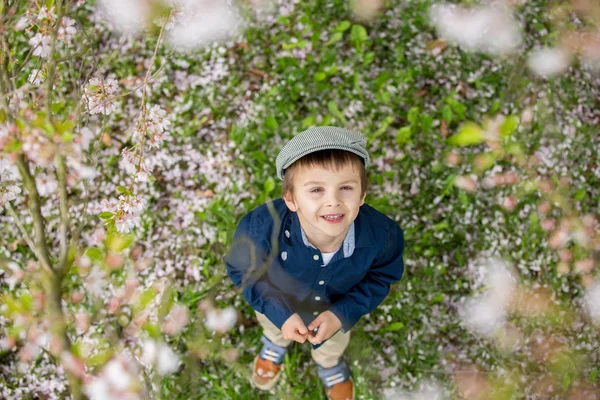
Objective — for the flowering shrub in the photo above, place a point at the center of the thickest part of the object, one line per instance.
(134, 134)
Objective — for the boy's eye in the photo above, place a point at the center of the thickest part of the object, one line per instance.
(315, 190)
(347, 187)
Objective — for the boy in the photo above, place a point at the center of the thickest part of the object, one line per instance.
(311, 264)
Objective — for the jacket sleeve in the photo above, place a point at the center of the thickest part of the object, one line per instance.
(246, 263)
(366, 295)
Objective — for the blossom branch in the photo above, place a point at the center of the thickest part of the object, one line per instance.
(26, 236)
(4, 78)
(52, 60)
(144, 86)
(36, 213)
(61, 174)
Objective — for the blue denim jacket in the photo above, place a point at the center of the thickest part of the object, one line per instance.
(281, 273)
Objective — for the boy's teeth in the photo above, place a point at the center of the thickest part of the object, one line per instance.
(332, 217)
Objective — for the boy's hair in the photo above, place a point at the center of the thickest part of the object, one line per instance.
(330, 158)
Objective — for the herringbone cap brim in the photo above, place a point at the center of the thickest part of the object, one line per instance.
(321, 138)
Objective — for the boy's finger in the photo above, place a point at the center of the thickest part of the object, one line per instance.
(302, 329)
(298, 337)
(315, 323)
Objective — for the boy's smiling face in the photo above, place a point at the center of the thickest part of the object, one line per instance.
(327, 202)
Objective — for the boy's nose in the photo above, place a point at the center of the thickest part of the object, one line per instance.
(333, 200)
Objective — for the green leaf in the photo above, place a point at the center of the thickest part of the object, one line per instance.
(320, 76)
(447, 114)
(94, 253)
(509, 126)
(271, 123)
(144, 299)
(343, 26)
(413, 115)
(566, 382)
(469, 134)
(336, 37)
(396, 326)
(389, 119)
(269, 185)
(106, 215)
(594, 375)
(403, 135)
(26, 302)
(485, 161)
(99, 358)
(369, 57)
(438, 299)
(335, 111)
(308, 121)
(118, 243)
(121, 189)
(580, 194)
(153, 330)
(358, 35)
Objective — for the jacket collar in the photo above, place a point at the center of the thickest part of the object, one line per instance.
(359, 235)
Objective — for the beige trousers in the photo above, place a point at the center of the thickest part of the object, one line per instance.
(327, 355)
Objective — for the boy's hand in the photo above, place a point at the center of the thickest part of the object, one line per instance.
(294, 329)
(327, 324)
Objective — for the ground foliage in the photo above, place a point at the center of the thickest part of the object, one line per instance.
(232, 105)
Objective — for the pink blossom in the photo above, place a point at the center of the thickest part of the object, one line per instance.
(101, 96)
(467, 183)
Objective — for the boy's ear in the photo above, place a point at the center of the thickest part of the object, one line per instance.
(362, 201)
(289, 201)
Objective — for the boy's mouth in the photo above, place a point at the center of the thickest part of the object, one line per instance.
(333, 218)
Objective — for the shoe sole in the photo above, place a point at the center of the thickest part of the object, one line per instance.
(353, 390)
(267, 386)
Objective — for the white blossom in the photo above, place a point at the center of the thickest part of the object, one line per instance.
(22, 23)
(160, 355)
(36, 77)
(67, 28)
(486, 312)
(117, 375)
(491, 29)
(128, 16)
(46, 184)
(548, 61)
(221, 320)
(203, 22)
(167, 361)
(592, 301)
(41, 45)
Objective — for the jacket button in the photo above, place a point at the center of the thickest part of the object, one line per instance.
(287, 233)
(315, 257)
(315, 313)
(321, 282)
(284, 255)
(317, 298)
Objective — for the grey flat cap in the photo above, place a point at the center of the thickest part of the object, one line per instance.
(321, 138)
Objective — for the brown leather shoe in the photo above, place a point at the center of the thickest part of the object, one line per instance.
(341, 391)
(265, 373)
